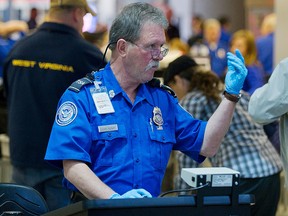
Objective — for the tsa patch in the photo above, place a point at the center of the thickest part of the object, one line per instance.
(66, 113)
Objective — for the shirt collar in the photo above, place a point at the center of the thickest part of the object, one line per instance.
(58, 27)
(110, 80)
(112, 84)
(144, 93)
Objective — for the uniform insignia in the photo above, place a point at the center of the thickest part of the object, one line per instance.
(78, 84)
(66, 113)
(157, 116)
(221, 53)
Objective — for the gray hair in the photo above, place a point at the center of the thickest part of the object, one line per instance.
(129, 22)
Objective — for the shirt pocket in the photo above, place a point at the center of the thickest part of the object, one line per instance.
(108, 147)
(161, 144)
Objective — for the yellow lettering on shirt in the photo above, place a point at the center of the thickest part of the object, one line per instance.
(54, 66)
(42, 65)
(23, 63)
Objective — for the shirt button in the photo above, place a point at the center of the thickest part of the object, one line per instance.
(109, 135)
(163, 138)
(135, 134)
(137, 160)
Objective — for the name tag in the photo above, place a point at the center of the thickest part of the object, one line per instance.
(103, 103)
(106, 128)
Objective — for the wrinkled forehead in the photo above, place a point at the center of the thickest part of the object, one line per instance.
(152, 32)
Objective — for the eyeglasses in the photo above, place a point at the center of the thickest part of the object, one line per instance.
(155, 52)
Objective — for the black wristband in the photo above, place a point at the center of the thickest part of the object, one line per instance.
(231, 97)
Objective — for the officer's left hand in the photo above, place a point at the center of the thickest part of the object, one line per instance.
(134, 193)
(236, 73)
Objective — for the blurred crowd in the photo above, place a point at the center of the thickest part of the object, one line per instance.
(208, 44)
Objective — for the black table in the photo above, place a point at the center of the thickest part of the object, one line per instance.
(168, 206)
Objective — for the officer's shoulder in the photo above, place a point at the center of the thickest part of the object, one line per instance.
(80, 83)
(156, 83)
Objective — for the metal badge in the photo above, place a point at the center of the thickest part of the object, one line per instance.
(157, 116)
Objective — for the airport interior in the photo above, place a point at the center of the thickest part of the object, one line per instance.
(238, 14)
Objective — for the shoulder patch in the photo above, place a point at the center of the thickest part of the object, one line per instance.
(66, 113)
(78, 84)
(157, 83)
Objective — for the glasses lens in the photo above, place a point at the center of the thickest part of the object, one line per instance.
(156, 52)
(164, 51)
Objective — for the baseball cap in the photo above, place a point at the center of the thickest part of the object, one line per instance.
(79, 3)
(177, 66)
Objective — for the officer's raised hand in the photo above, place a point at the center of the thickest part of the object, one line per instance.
(236, 73)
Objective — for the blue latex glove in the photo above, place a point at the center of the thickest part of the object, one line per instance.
(134, 193)
(236, 73)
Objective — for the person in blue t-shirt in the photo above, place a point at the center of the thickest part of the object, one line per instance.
(217, 48)
(265, 44)
(225, 25)
(244, 41)
(10, 32)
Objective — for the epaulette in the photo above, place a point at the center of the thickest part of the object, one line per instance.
(157, 83)
(78, 84)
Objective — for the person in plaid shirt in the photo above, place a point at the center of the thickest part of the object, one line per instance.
(245, 147)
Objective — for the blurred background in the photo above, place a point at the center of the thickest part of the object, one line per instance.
(241, 14)
(185, 16)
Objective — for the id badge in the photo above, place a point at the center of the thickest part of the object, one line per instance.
(101, 100)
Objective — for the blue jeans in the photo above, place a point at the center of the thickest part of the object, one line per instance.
(47, 181)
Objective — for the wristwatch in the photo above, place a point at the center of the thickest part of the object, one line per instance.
(232, 97)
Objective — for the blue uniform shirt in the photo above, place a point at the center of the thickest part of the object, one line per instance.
(125, 149)
(5, 47)
(265, 52)
(218, 58)
(255, 78)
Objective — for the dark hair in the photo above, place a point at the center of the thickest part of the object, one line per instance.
(178, 67)
(207, 82)
(224, 20)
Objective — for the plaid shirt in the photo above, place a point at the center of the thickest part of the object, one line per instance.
(245, 147)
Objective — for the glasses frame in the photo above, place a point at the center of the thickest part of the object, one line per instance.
(155, 52)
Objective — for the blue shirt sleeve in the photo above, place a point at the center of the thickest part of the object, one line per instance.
(70, 137)
(189, 134)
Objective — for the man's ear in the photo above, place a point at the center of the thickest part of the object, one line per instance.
(78, 18)
(77, 15)
(122, 47)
